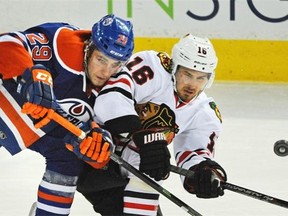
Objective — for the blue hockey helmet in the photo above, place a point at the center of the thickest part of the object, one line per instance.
(114, 37)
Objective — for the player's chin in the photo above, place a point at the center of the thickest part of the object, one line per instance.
(98, 82)
(187, 97)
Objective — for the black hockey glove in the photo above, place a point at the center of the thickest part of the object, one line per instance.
(154, 154)
(206, 180)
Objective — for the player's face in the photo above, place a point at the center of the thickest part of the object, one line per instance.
(101, 68)
(189, 83)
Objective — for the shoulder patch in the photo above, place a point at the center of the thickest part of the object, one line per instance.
(216, 110)
(165, 61)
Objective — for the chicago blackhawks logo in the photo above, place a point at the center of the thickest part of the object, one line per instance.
(165, 60)
(159, 117)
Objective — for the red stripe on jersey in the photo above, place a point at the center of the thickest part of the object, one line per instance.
(122, 80)
(187, 153)
(203, 152)
(183, 156)
(28, 135)
(140, 206)
(54, 198)
(14, 59)
(70, 46)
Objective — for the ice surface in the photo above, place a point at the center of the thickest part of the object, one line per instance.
(255, 116)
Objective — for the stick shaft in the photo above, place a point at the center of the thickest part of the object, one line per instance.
(255, 194)
(68, 125)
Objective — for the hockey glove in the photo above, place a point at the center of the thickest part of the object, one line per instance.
(36, 85)
(94, 149)
(206, 180)
(154, 154)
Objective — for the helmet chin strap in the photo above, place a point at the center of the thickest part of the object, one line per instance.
(85, 60)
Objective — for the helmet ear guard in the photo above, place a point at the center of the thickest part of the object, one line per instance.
(195, 53)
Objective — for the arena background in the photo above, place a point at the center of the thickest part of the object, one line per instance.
(250, 36)
(251, 39)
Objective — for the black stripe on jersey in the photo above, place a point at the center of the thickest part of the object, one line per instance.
(141, 195)
(117, 89)
(121, 73)
(186, 159)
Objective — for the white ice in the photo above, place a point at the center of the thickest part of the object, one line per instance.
(255, 116)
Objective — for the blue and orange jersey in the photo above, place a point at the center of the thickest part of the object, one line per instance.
(60, 48)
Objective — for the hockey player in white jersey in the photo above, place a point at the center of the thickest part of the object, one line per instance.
(154, 101)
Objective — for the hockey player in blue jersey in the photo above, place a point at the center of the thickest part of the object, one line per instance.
(57, 66)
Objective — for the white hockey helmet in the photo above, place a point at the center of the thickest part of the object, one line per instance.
(195, 53)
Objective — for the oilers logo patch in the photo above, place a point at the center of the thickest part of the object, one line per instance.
(75, 110)
(165, 60)
(216, 110)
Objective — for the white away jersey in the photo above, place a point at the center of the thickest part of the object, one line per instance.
(146, 79)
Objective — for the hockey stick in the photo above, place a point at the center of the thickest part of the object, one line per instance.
(236, 188)
(79, 133)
